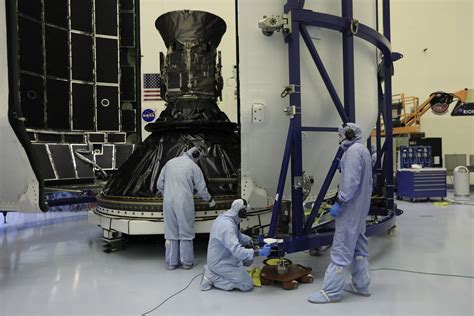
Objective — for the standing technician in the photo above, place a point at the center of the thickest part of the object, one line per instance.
(178, 180)
(350, 246)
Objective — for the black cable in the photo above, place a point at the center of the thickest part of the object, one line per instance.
(173, 295)
(426, 273)
(375, 269)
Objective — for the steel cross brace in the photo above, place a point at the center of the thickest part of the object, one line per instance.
(317, 240)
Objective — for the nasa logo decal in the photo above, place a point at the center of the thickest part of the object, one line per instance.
(148, 115)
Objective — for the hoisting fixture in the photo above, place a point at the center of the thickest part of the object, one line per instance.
(270, 24)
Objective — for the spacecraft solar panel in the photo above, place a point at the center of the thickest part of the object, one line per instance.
(47, 170)
(127, 29)
(32, 100)
(57, 52)
(63, 161)
(33, 9)
(106, 17)
(56, 12)
(58, 104)
(107, 108)
(81, 15)
(105, 160)
(82, 57)
(96, 137)
(31, 45)
(83, 106)
(31, 136)
(49, 137)
(84, 169)
(128, 84)
(107, 60)
(116, 137)
(128, 120)
(127, 5)
(74, 138)
(78, 40)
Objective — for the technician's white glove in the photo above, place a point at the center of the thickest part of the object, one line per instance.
(212, 203)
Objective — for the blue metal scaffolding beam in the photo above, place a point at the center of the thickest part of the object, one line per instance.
(302, 237)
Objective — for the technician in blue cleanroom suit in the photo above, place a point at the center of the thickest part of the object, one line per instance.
(226, 252)
(350, 246)
(178, 180)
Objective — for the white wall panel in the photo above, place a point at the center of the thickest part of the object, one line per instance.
(264, 74)
(18, 184)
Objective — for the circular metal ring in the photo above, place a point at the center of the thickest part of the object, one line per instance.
(105, 102)
(31, 94)
(274, 261)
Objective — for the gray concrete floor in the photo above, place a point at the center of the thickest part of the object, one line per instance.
(53, 264)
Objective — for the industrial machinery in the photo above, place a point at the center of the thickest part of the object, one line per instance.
(267, 105)
(417, 176)
(291, 98)
(415, 155)
(407, 110)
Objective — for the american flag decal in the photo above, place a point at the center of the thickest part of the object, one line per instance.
(151, 87)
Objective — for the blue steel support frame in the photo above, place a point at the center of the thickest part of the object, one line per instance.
(324, 74)
(348, 61)
(296, 149)
(378, 139)
(388, 112)
(302, 238)
(384, 164)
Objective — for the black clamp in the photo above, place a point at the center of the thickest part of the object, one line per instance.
(285, 92)
(292, 88)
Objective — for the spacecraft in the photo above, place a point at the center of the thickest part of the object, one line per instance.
(191, 85)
